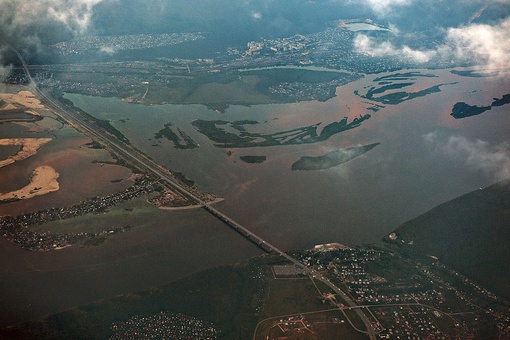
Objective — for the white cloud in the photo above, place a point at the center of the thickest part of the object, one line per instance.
(366, 45)
(256, 15)
(483, 44)
(383, 7)
(74, 14)
(493, 160)
(25, 23)
(108, 49)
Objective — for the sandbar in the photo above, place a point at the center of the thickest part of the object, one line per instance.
(43, 181)
(23, 98)
(29, 147)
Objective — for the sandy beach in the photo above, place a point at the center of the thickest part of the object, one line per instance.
(43, 181)
(22, 98)
(29, 147)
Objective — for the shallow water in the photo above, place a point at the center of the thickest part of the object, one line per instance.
(425, 158)
(359, 201)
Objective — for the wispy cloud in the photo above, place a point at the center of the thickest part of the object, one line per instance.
(366, 45)
(382, 7)
(23, 23)
(479, 155)
(484, 43)
(479, 43)
(256, 15)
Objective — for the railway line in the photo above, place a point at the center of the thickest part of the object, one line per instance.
(147, 165)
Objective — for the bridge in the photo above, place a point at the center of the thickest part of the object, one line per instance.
(145, 164)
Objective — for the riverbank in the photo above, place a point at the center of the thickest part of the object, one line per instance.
(42, 182)
(29, 147)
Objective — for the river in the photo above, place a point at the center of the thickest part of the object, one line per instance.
(357, 202)
(425, 157)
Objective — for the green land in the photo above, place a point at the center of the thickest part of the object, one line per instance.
(384, 91)
(179, 138)
(463, 110)
(331, 159)
(253, 159)
(243, 139)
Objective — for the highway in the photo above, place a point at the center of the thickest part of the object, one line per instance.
(145, 164)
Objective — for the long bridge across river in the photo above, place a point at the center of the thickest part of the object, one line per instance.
(144, 163)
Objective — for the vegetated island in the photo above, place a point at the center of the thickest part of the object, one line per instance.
(385, 90)
(245, 139)
(395, 98)
(474, 73)
(463, 110)
(180, 138)
(253, 159)
(331, 159)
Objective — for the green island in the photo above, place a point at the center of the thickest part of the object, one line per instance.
(244, 139)
(253, 159)
(331, 159)
(463, 110)
(180, 139)
(382, 93)
(404, 76)
(401, 96)
(474, 73)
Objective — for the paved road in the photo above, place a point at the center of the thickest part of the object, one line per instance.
(141, 161)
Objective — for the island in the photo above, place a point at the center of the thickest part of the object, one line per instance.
(463, 110)
(253, 159)
(331, 159)
(244, 139)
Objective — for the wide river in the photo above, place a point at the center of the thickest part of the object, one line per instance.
(425, 158)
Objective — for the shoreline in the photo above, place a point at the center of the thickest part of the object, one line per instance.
(29, 147)
(42, 182)
(188, 207)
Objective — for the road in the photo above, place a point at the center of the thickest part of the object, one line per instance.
(141, 161)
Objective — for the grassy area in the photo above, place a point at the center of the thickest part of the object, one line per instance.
(180, 139)
(214, 130)
(230, 297)
(292, 296)
(133, 212)
(321, 326)
(253, 159)
(233, 298)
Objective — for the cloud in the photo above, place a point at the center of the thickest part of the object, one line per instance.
(75, 15)
(25, 24)
(108, 49)
(383, 7)
(493, 160)
(366, 45)
(478, 43)
(483, 43)
(256, 15)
